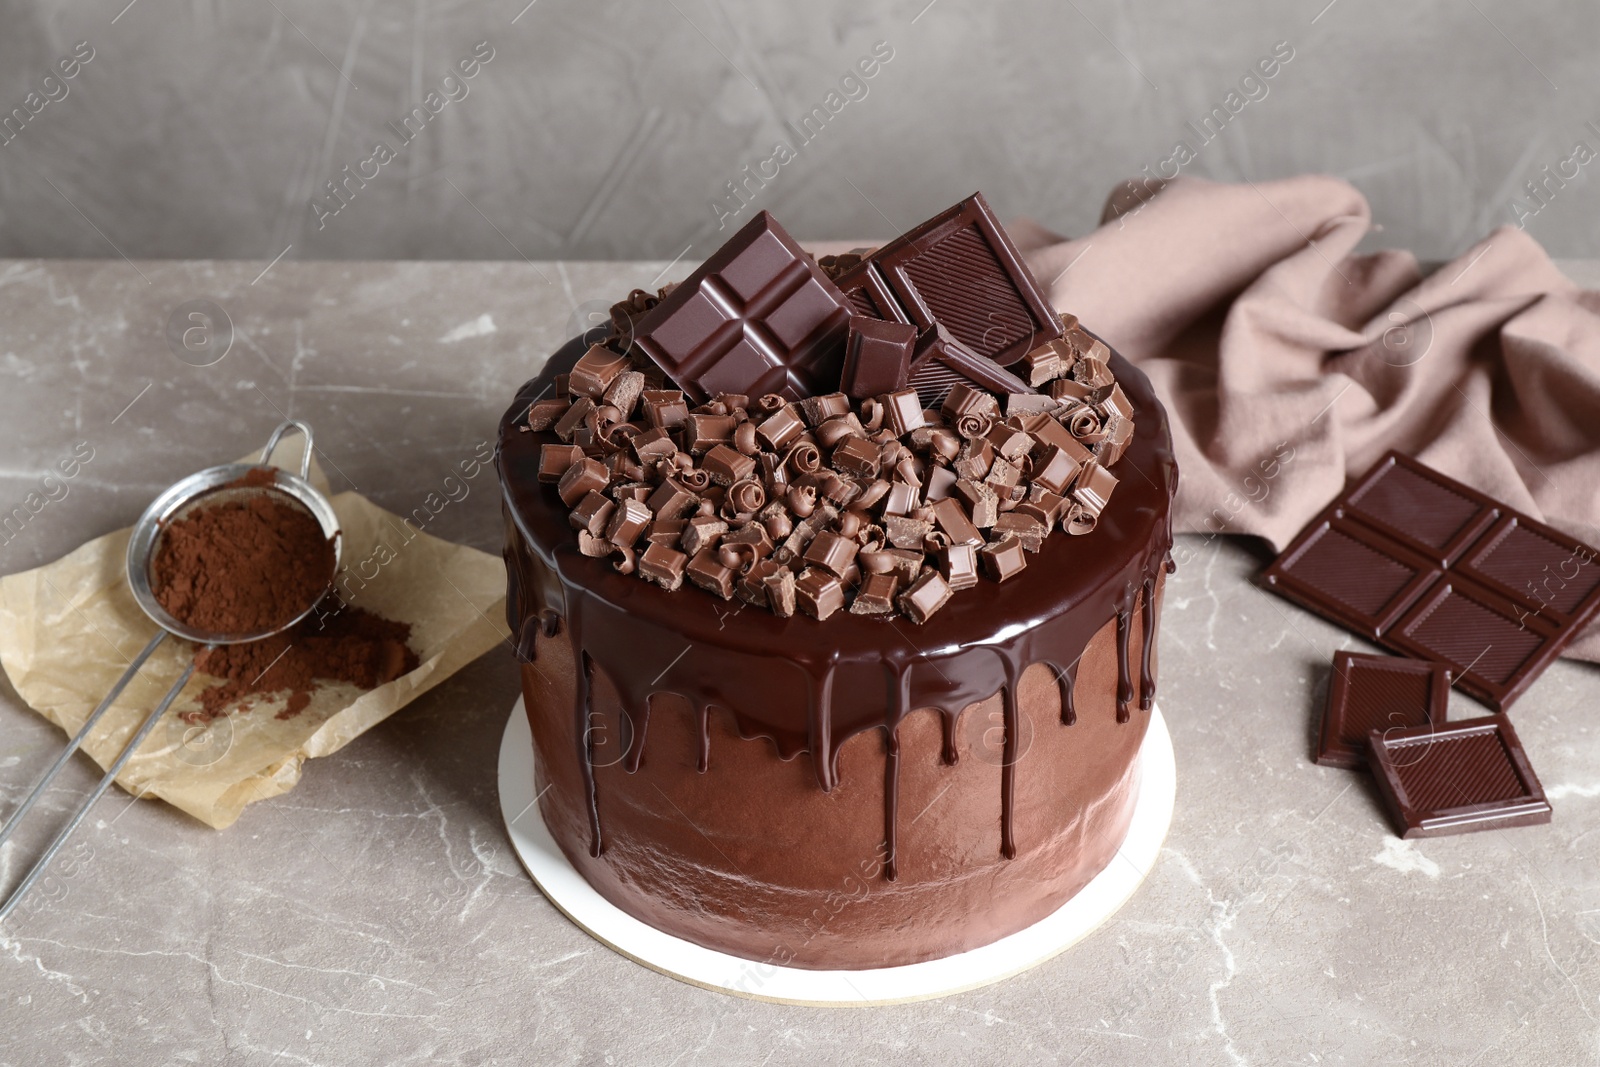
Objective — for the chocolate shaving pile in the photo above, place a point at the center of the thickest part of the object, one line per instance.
(877, 505)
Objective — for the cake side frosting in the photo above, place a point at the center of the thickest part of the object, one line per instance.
(808, 685)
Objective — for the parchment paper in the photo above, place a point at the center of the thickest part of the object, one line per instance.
(70, 628)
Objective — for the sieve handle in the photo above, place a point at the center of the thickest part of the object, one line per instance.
(277, 435)
(115, 769)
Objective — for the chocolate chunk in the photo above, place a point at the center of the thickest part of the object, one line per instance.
(1065, 390)
(1009, 442)
(556, 460)
(1003, 559)
(1025, 528)
(1092, 370)
(710, 574)
(592, 513)
(1093, 487)
(1002, 476)
(831, 553)
(672, 500)
(960, 271)
(595, 370)
(974, 460)
(1019, 404)
(727, 466)
(904, 532)
(876, 596)
(1119, 435)
(750, 586)
(857, 456)
(941, 483)
(1051, 360)
(780, 428)
(927, 595)
(1055, 470)
(753, 534)
(581, 411)
(877, 357)
(959, 566)
(653, 445)
(582, 478)
(543, 414)
(781, 592)
(1047, 433)
(666, 531)
(1434, 569)
(1453, 778)
(664, 408)
(903, 412)
(701, 533)
(953, 520)
(1381, 693)
(980, 501)
(664, 566)
(901, 499)
(628, 522)
(818, 593)
(624, 393)
(705, 431)
(819, 409)
(757, 317)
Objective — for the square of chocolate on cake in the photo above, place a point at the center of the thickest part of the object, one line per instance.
(960, 270)
(1453, 778)
(757, 317)
(1383, 693)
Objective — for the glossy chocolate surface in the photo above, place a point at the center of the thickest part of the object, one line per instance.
(1453, 778)
(1381, 693)
(1436, 570)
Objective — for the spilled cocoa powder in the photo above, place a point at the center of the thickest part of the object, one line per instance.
(252, 564)
(242, 566)
(349, 645)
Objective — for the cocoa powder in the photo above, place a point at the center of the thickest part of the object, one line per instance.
(350, 645)
(242, 566)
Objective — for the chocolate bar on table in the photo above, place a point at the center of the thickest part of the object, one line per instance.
(1456, 777)
(959, 270)
(1383, 693)
(757, 317)
(1434, 569)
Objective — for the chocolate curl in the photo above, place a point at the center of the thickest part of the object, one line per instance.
(770, 403)
(974, 424)
(746, 497)
(779, 525)
(804, 458)
(802, 500)
(625, 560)
(872, 413)
(744, 438)
(944, 444)
(875, 491)
(1083, 424)
(696, 480)
(1079, 520)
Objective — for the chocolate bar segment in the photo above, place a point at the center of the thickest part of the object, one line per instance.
(1383, 693)
(757, 317)
(960, 270)
(1434, 569)
(877, 357)
(1456, 777)
(942, 362)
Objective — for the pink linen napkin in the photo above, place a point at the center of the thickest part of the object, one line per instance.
(1289, 363)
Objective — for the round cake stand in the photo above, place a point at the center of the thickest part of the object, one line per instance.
(718, 971)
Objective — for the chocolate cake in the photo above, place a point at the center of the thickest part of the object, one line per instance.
(837, 610)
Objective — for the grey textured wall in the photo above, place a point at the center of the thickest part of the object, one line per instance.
(604, 128)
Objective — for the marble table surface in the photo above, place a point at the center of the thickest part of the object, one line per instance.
(376, 914)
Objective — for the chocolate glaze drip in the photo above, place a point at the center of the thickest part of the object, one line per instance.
(810, 686)
(1066, 680)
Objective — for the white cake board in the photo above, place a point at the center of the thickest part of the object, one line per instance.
(718, 971)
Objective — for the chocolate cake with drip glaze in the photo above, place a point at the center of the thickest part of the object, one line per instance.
(847, 791)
